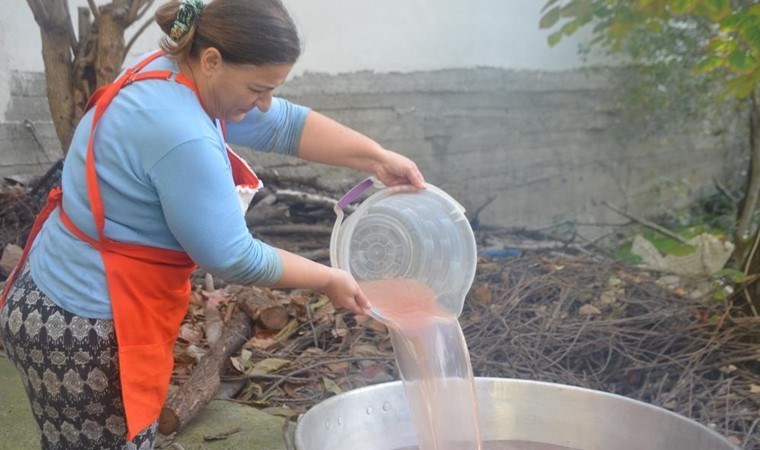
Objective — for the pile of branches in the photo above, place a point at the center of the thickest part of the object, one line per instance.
(611, 327)
(579, 321)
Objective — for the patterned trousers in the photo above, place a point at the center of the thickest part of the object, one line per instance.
(68, 365)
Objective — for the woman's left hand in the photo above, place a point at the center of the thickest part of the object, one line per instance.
(393, 169)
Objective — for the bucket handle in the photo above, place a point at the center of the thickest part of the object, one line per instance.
(346, 200)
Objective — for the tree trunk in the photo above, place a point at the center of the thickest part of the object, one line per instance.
(750, 250)
(55, 31)
(110, 54)
(749, 203)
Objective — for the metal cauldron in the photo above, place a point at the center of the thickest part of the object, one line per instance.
(377, 418)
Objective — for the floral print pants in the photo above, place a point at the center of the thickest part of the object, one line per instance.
(68, 365)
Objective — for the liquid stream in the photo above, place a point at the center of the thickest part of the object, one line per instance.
(432, 357)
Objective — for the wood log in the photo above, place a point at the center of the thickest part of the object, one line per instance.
(187, 401)
(274, 318)
(265, 311)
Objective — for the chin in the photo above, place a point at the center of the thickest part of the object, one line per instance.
(235, 117)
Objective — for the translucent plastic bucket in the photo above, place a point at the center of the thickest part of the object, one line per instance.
(402, 232)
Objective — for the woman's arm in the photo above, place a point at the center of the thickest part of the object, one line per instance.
(339, 286)
(326, 141)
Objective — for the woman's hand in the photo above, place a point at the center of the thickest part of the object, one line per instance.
(344, 292)
(393, 169)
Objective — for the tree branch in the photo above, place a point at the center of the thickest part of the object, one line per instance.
(146, 6)
(39, 11)
(647, 223)
(73, 42)
(140, 31)
(94, 9)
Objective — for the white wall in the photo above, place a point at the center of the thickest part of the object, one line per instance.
(353, 35)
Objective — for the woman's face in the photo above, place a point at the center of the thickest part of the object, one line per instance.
(231, 90)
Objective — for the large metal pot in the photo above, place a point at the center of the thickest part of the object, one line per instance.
(377, 418)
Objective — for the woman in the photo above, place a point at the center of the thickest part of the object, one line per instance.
(149, 190)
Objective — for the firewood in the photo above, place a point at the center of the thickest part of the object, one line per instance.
(274, 318)
(264, 310)
(187, 401)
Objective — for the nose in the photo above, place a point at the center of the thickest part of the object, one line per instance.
(264, 102)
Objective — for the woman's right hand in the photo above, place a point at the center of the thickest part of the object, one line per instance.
(344, 292)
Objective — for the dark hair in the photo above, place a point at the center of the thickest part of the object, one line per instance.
(257, 32)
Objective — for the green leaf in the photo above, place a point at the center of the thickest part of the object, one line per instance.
(570, 27)
(574, 9)
(548, 5)
(554, 38)
(741, 61)
(680, 7)
(742, 86)
(709, 64)
(717, 9)
(734, 275)
(740, 21)
(550, 18)
(752, 36)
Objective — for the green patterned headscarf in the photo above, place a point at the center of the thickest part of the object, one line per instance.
(188, 13)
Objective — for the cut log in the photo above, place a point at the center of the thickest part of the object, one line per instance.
(187, 401)
(267, 312)
(274, 318)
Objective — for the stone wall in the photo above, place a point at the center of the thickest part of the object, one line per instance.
(525, 149)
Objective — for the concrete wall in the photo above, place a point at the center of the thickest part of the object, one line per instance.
(533, 147)
(469, 90)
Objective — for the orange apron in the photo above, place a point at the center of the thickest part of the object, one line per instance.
(149, 287)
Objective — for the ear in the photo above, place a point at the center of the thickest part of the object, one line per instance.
(210, 60)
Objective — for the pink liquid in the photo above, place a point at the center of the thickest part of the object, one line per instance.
(434, 363)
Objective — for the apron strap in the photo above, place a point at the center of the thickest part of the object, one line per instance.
(100, 101)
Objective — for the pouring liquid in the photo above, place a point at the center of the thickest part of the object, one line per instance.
(433, 361)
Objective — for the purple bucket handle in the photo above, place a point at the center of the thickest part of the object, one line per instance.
(355, 192)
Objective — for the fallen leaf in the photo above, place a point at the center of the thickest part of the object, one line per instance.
(237, 364)
(377, 326)
(261, 343)
(196, 352)
(364, 350)
(331, 386)
(340, 329)
(589, 310)
(216, 297)
(607, 297)
(370, 373)
(338, 367)
(754, 388)
(483, 294)
(188, 333)
(268, 365)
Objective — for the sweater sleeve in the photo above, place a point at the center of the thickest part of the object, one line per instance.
(201, 208)
(277, 130)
